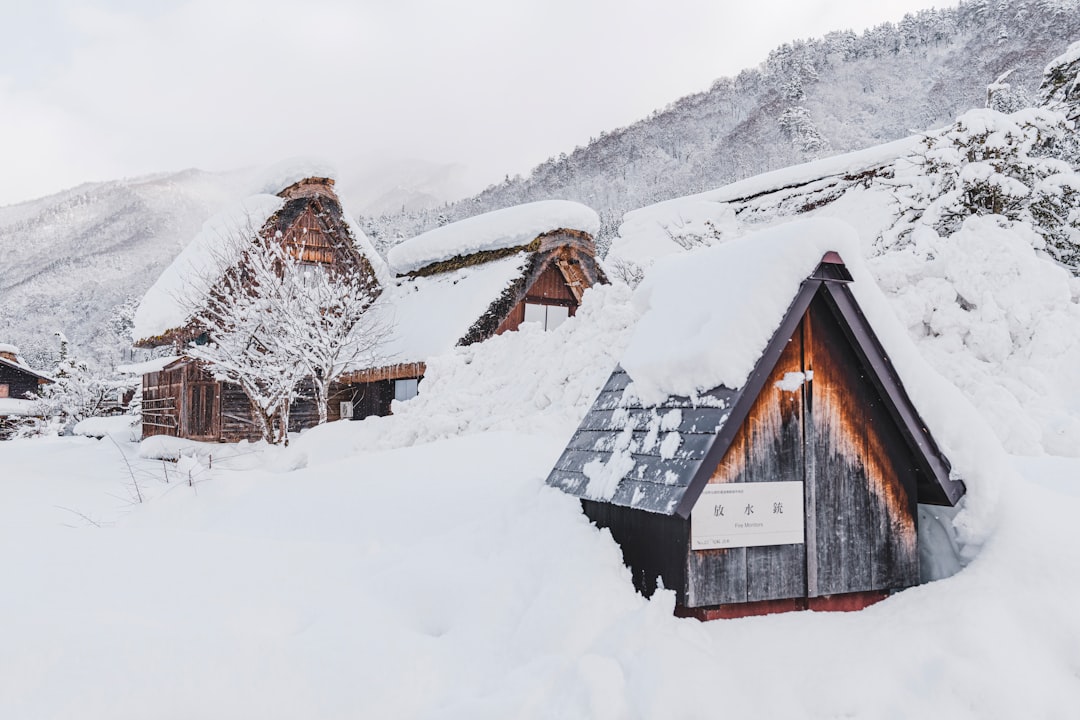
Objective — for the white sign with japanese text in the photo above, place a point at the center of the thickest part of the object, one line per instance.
(747, 515)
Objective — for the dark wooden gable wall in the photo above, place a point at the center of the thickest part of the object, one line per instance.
(571, 252)
(19, 382)
(835, 435)
(550, 288)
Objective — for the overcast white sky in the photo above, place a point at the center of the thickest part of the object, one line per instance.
(101, 89)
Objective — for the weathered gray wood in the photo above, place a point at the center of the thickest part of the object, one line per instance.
(715, 577)
(774, 453)
(893, 510)
(843, 537)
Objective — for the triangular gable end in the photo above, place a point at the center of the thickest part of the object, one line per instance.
(561, 268)
(827, 292)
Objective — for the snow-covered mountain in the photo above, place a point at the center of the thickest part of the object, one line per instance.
(809, 99)
(71, 259)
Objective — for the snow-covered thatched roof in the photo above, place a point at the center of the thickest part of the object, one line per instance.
(499, 230)
(458, 282)
(168, 304)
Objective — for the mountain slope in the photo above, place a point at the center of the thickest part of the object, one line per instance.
(71, 258)
(808, 99)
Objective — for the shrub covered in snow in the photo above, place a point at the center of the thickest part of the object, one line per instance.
(989, 163)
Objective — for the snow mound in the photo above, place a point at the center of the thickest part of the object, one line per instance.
(168, 302)
(507, 228)
(1071, 55)
(529, 380)
(123, 427)
(429, 315)
(19, 407)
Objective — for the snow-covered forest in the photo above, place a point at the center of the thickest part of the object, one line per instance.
(809, 98)
(857, 90)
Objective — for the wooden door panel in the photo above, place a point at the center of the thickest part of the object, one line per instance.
(202, 405)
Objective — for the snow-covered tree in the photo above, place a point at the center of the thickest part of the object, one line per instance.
(1003, 97)
(77, 392)
(273, 321)
(330, 329)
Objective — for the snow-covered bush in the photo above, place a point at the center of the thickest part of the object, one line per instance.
(989, 163)
(78, 392)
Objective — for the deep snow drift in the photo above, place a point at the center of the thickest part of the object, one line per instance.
(416, 566)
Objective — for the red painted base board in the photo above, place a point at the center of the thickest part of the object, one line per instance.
(847, 602)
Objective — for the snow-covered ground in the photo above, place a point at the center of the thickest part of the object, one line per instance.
(416, 566)
(445, 580)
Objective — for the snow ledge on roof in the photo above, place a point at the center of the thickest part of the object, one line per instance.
(507, 228)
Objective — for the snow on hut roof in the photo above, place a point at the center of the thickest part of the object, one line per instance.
(182, 285)
(708, 315)
(707, 318)
(147, 366)
(507, 228)
(167, 304)
(429, 315)
(22, 408)
(20, 364)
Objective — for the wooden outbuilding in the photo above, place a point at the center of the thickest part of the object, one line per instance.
(466, 282)
(18, 381)
(179, 397)
(797, 490)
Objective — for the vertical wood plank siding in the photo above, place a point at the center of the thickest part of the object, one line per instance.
(19, 383)
(768, 447)
(653, 546)
(865, 478)
(549, 289)
(836, 436)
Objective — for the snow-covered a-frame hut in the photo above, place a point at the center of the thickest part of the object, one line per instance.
(757, 450)
(181, 398)
(465, 282)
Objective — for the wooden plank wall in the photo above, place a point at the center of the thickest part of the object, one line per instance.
(19, 383)
(836, 435)
(372, 398)
(862, 509)
(162, 394)
(236, 421)
(653, 545)
(309, 239)
(767, 448)
(549, 289)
